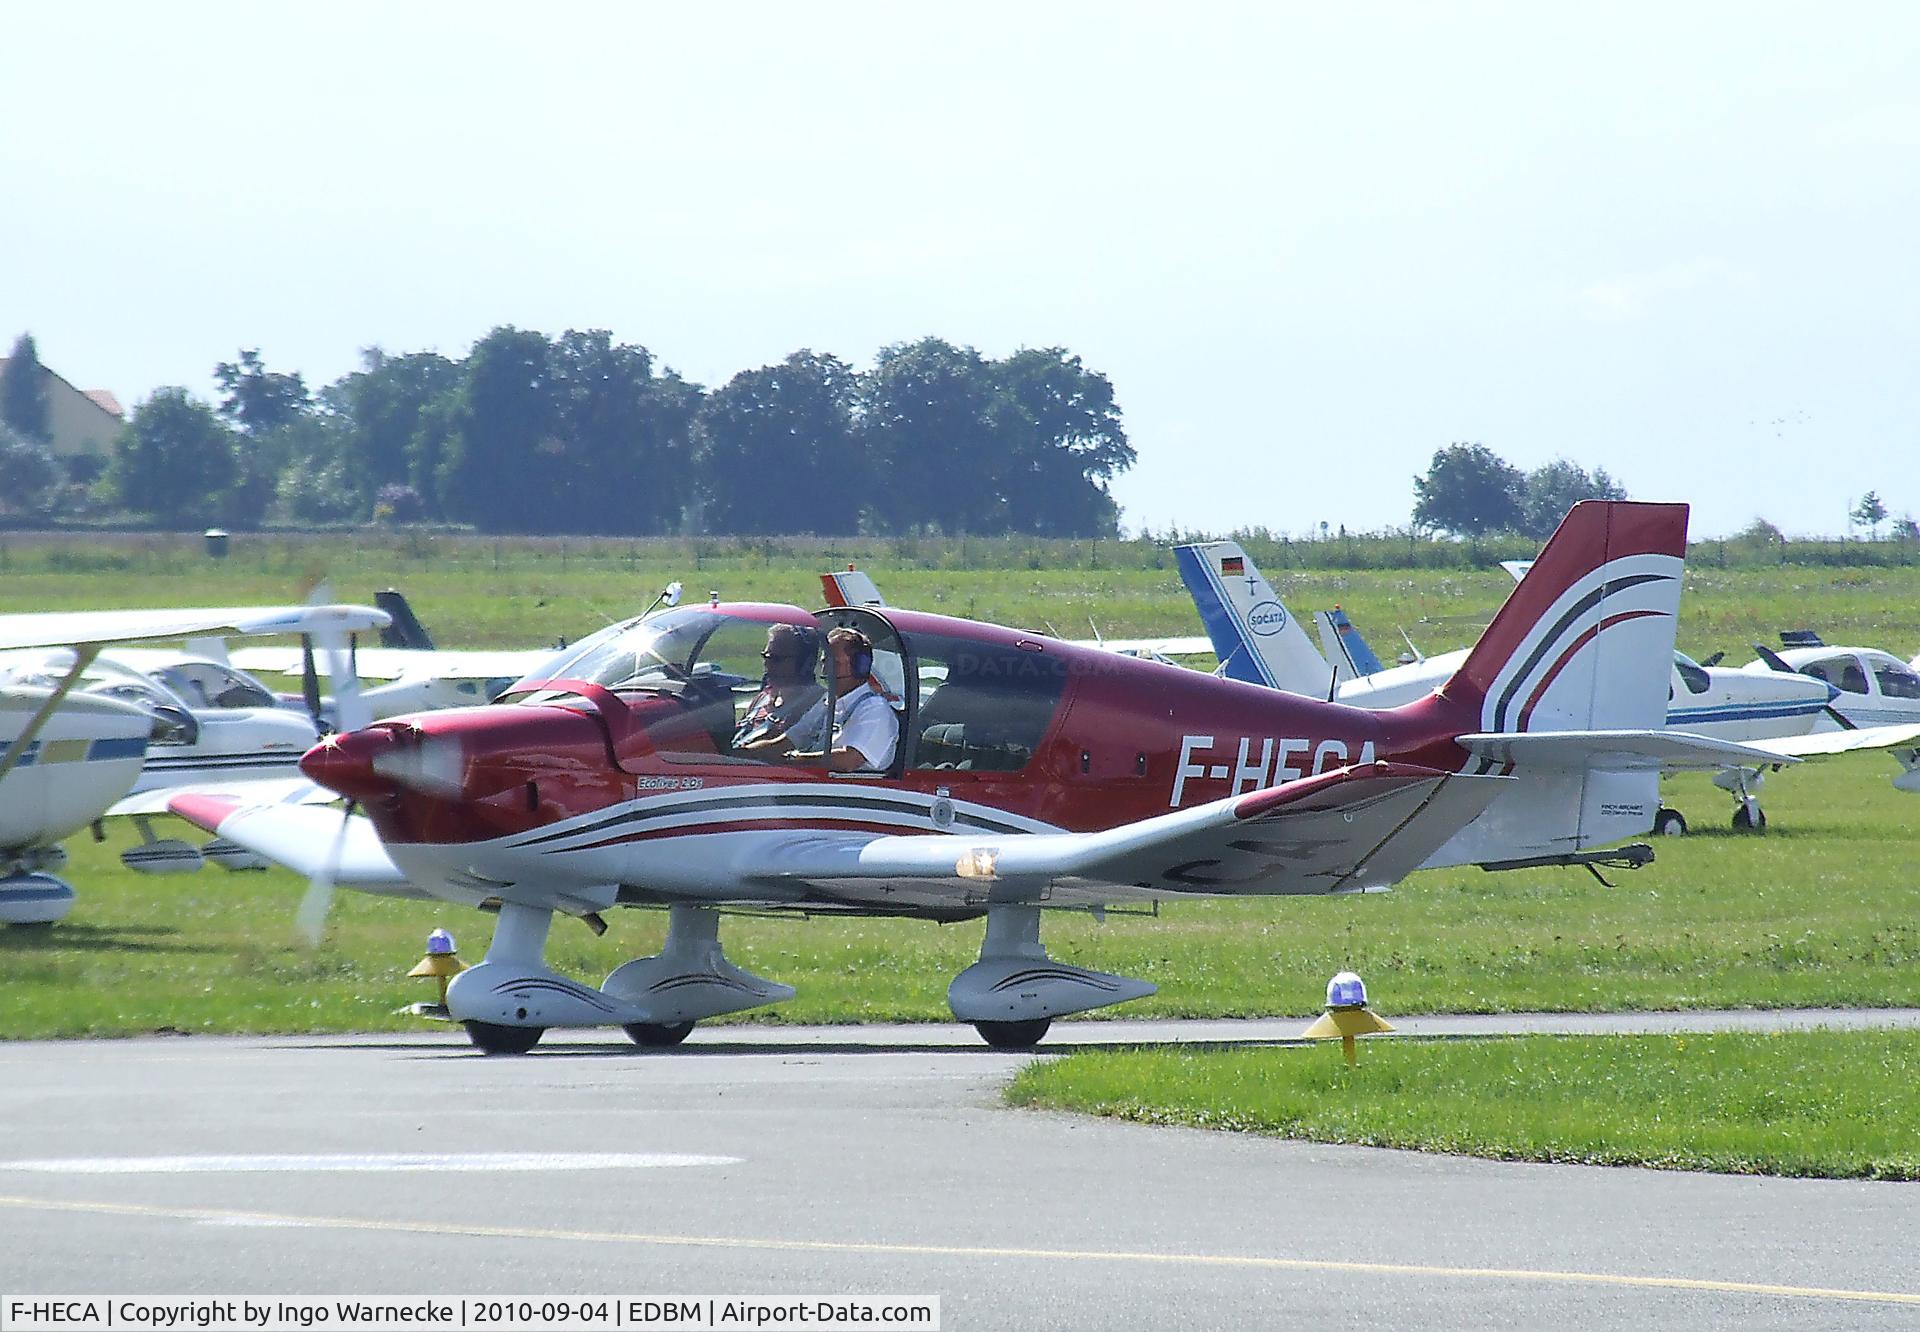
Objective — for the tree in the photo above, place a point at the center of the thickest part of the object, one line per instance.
(1468, 490)
(23, 392)
(505, 454)
(174, 461)
(924, 429)
(379, 411)
(257, 399)
(1870, 513)
(1553, 488)
(773, 449)
(29, 476)
(1060, 441)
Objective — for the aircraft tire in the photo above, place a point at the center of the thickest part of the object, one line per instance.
(657, 1035)
(1013, 1035)
(493, 1039)
(1669, 823)
(1743, 822)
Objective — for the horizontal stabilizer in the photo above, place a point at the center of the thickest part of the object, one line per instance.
(1353, 828)
(306, 839)
(1620, 751)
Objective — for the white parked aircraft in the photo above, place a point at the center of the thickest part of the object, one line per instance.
(416, 675)
(1874, 691)
(75, 740)
(1260, 642)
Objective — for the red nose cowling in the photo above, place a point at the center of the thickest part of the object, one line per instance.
(344, 763)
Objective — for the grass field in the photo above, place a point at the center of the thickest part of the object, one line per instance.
(1823, 910)
(1814, 1103)
(474, 592)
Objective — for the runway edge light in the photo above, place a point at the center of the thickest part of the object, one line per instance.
(1347, 1016)
(441, 963)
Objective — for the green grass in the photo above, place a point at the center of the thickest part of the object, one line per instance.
(479, 592)
(1815, 1103)
(1824, 909)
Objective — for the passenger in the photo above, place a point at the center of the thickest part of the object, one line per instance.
(865, 731)
(787, 689)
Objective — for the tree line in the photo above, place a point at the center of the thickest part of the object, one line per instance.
(581, 434)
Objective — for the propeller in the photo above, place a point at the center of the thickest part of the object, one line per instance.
(317, 904)
(351, 712)
(1715, 659)
(1776, 663)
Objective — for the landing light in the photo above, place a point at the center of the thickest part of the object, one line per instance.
(977, 863)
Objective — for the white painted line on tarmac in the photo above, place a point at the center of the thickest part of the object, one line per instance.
(995, 1253)
(438, 1163)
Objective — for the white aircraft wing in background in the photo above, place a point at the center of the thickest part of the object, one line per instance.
(33, 629)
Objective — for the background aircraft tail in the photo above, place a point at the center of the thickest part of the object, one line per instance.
(1254, 636)
(1352, 657)
(406, 631)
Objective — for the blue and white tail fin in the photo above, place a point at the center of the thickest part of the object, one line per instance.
(1257, 641)
(1352, 657)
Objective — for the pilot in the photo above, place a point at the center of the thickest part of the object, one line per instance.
(865, 730)
(787, 689)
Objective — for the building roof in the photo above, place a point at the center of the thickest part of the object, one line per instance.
(101, 398)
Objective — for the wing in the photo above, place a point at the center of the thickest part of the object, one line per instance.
(300, 837)
(406, 663)
(1624, 751)
(1841, 742)
(74, 628)
(1165, 647)
(1343, 831)
(245, 791)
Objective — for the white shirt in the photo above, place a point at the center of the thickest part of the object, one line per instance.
(862, 720)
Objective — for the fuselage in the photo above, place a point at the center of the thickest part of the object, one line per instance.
(1869, 687)
(1000, 731)
(84, 758)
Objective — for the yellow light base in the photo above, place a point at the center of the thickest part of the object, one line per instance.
(1346, 1023)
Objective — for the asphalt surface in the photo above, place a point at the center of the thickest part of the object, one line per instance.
(777, 1162)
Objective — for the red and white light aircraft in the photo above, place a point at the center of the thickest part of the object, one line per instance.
(1031, 774)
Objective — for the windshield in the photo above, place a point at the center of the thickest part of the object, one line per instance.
(666, 651)
(1691, 672)
(104, 676)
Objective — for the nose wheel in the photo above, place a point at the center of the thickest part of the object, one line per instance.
(658, 1034)
(1013, 1035)
(492, 1038)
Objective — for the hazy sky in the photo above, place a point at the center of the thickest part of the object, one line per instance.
(1308, 244)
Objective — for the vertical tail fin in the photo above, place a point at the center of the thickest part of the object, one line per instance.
(852, 588)
(406, 631)
(1352, 656)
(1257, 641)
(1585, 641)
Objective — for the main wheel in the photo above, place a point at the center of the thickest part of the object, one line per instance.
(493, 1038)
(1745, 822)
(1669, 823)
(658, 1033)
(1013, 1035)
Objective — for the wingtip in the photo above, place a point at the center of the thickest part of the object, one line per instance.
(203, 810)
